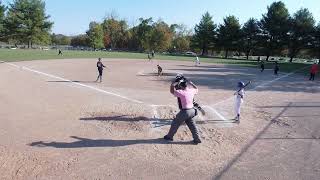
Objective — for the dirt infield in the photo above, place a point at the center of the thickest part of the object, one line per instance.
(56, 123)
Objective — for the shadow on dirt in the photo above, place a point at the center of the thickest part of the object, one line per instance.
(124, 118)
(154, 121)
(226, 78)
(156, 74)
(72, 81)
(258, 136)
(90, 143)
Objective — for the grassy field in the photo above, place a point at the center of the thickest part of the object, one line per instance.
(10, 55)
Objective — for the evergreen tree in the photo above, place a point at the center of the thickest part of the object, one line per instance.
(27, 22)
(250, 32)
(2, 16)
(275, 28)
(204, 34)
(229, 34)
(300, 34)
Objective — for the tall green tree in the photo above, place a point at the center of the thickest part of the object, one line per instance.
(316, 42)
(250, 32)
(27, 22)
(205, 33)
(229, 34)
(133, 39)
(95, 34)
(275, 28)
(2, 16)
(144, 33)
(300, 34)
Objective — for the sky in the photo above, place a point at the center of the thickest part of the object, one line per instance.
(72, 17)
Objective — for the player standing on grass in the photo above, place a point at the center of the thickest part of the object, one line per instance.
(276, 68)
(180, 88)
(313, 71)
(60, 52)
(159, 70)
(197, 61)
(262, 66)
(239, 100)
(100, 67)
(152, 54)
(149, 57)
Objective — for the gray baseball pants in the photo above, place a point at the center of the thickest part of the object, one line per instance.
(185, 115)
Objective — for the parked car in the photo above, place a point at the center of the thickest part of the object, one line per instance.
(190, 53)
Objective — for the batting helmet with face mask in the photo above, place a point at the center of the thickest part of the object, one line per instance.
(240, 84)
(181, 80)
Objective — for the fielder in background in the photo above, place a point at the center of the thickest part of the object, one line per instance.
(197, 61)
(159, 70)
(100, 67)
(276, 68)
(152, 54)
(313, 71)
(185, 90)
(239, 100)
(262, 66)
(149, 57)
(60, 52)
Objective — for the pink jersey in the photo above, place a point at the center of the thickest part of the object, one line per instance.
(186, 96)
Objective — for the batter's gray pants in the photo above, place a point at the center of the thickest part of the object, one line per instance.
(184, 116)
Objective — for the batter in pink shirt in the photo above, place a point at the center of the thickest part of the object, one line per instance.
(185, 91)
(186, 97)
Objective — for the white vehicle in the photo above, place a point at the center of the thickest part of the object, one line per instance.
(191, 53)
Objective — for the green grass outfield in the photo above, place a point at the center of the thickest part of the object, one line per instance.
(10, 55)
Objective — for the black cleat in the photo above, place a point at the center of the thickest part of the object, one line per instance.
(167, 138)
(196, 142)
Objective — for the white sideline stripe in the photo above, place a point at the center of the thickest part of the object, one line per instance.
(216, 112)
(140, 102)
(155, 117)
(155, 113)
(264, 84)
(162, 105)
(79, 84)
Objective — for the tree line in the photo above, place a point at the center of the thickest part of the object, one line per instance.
(277, 33)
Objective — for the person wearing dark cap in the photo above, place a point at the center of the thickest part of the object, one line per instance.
(159, 70)
(100, 67)
(239, 100)
(276, 68)
(185, 91)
